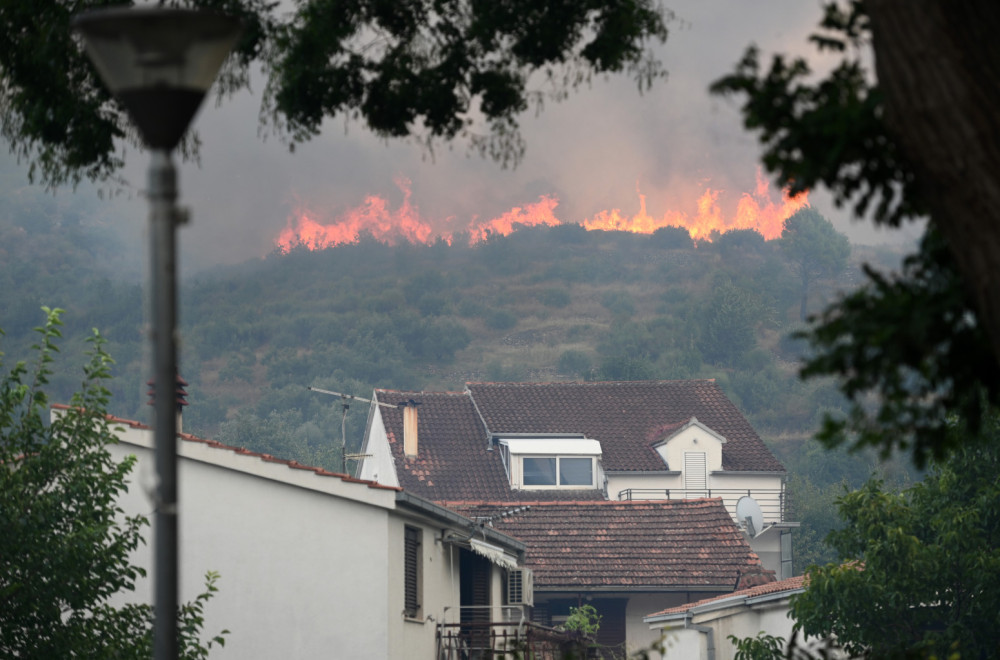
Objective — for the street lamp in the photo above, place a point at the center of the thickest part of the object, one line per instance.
(159, 63)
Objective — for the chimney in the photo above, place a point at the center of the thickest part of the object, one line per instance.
(410, 441)
(180, 394)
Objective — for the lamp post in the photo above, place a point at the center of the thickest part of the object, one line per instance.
(159, 63)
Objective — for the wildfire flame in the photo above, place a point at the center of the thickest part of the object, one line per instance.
(754, 210)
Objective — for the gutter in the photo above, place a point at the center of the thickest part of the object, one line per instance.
(430, 509)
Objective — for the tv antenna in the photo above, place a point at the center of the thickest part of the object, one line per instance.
(344, 402)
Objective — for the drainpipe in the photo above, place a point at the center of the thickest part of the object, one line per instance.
(709, 634)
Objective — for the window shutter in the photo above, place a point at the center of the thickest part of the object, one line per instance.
(411, 567)
(695, 472)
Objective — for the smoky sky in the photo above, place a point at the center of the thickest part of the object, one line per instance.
(593, 152)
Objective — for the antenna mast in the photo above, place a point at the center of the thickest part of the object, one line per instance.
(344, 398)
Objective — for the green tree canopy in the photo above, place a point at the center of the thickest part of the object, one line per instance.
(731, 318)
(910, 354)
(915, 145)
(814, 250)
(65, 546)
(923, 576)
(416, 67)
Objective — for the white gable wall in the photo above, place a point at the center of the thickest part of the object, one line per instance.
(379, 466)
(693, 438)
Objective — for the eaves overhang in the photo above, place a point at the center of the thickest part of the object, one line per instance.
(628, 588)
(437, 512)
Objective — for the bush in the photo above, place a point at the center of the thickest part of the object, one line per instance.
(576, 363)
(672, 238)
(500, 319)
(554, 297)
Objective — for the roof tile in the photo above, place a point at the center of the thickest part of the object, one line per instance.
(455, 459)
(678, 544)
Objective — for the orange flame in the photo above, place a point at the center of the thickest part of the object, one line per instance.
(754, 210)
(541, 212)
(374, 217)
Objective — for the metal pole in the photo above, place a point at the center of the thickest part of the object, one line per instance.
(163, 220)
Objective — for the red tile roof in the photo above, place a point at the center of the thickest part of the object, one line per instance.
(268, 458)
(789, 584)
(627, 418)
(668, 545)
(454, 461)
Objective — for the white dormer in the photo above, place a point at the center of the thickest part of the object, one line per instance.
(551, 462)
(695, 450)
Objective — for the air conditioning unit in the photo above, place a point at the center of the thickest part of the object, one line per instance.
(520, 587)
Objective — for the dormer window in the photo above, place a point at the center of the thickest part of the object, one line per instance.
(551, 462)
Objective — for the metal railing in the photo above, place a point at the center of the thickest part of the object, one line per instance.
(773, 502)
(478, 636)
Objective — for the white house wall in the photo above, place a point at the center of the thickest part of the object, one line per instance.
(637, 632)
(730, 486)
(311, 566)
(740, 621)
(289, 585)
(439, 591)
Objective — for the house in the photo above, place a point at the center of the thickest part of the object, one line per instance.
(645, 440)
(318, 564)
(701, 630)
(639, 464)
(623, 557)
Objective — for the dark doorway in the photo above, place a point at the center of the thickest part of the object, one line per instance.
(474, 597)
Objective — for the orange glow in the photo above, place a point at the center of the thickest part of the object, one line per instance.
(754, 210)
(374, 217)
(541, 212)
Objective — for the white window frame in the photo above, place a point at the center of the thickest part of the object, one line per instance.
(515, 449)
(557, 486)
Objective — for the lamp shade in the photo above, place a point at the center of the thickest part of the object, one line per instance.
(158, 62)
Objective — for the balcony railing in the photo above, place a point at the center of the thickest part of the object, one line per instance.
(774, 504)
(505, 632)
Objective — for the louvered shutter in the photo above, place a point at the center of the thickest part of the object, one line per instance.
(411, 567)
(695, 473)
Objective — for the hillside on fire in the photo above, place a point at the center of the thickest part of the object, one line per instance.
(542, 303)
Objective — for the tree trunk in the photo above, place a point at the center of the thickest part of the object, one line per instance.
(938, 65)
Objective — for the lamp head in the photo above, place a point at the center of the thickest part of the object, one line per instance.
(159, 63)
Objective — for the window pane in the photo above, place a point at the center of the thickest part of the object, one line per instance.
(576, 472)
(539, 471)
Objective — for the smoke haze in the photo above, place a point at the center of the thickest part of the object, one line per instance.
(593, 152)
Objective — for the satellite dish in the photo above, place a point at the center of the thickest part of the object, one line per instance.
(748, 512)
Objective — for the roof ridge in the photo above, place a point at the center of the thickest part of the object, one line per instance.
(592, 383)
(421, 392)
(243, 451)
(787, 584)
(673, 502)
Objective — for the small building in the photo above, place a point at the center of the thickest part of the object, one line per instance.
(701, 630)
(624, 558)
